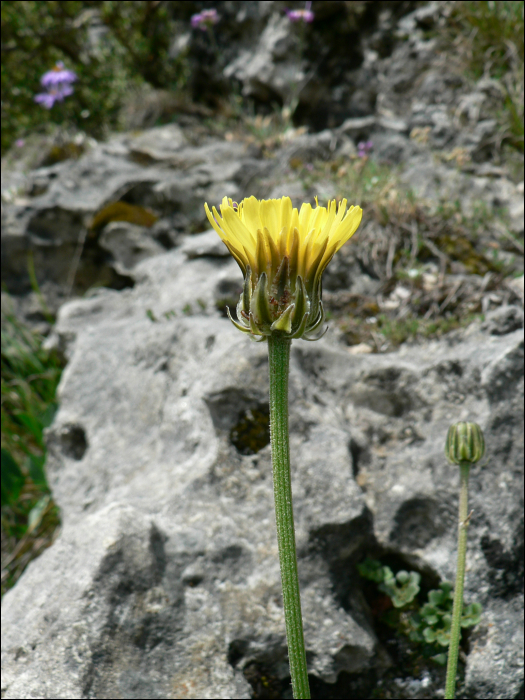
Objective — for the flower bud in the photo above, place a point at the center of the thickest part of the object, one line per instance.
(465, 443)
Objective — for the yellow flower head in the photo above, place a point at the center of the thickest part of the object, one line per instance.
(282, 253)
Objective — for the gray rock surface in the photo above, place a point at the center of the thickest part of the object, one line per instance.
(164, 581)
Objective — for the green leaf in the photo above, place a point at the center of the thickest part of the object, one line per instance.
(399, 601)
(446, 587)
(388, 589)
(443, 638)
(416, 637)
(436, 597)
(427, 610)
(48, 415)
(429, 634)
(12, 478)
(36, 469)
(388, 576)
(415, 621)
(372, 570)
(431, 619)
(471, 615)
(35, 514)
(403, 577)
(33, 425)
(440, 659)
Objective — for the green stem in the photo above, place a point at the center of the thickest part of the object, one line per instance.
(457, 609)
(279, 360)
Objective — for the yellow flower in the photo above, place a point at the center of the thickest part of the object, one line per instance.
(282, 253)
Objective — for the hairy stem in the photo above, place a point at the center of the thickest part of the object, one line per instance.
(279, 360)
(457, 609)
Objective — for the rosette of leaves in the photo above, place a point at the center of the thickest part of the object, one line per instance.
(427, 626)
(401, 588)
(432, 623)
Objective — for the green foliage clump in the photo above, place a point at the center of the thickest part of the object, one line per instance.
(401, 588)
(493, 40)
(497, 25)
(428, 625)
(30, 376)
(111, 46)
(432, 623)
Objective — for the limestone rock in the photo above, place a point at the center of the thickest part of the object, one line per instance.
(164, 580)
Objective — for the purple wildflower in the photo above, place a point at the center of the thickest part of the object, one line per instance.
(364, 148)
(205, 19)
(57, 76)
(305, 15)
(57, 83)
(19, 143)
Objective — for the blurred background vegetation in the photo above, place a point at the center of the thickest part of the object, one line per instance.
(490, 37)
(111, 46)
(118, 49)
(30, 376)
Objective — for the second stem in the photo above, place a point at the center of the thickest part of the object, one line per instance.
(279, 361)
(457, 608)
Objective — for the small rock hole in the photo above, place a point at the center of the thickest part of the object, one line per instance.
(236, 651)
(73, 440)
(252, 432)
(355, 453)
(227, 295)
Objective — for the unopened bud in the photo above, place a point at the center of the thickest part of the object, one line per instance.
(465, 443)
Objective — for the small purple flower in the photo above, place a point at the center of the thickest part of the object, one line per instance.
(57, 83)
(205, 19)
(364, 148)
(305, 15)
(19, 143)
(54, 94)
(58, 76)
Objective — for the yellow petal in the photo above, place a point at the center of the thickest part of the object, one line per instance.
(304, 218)
(250, 214)
(349, 225)
(234, 225)
(327, 225)
(286, 215)
(225, 233)
(304, 253)
(294, 223)
(319, 218)
(213, 221)
(271, 215)
(239, 257)
(335, 233)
